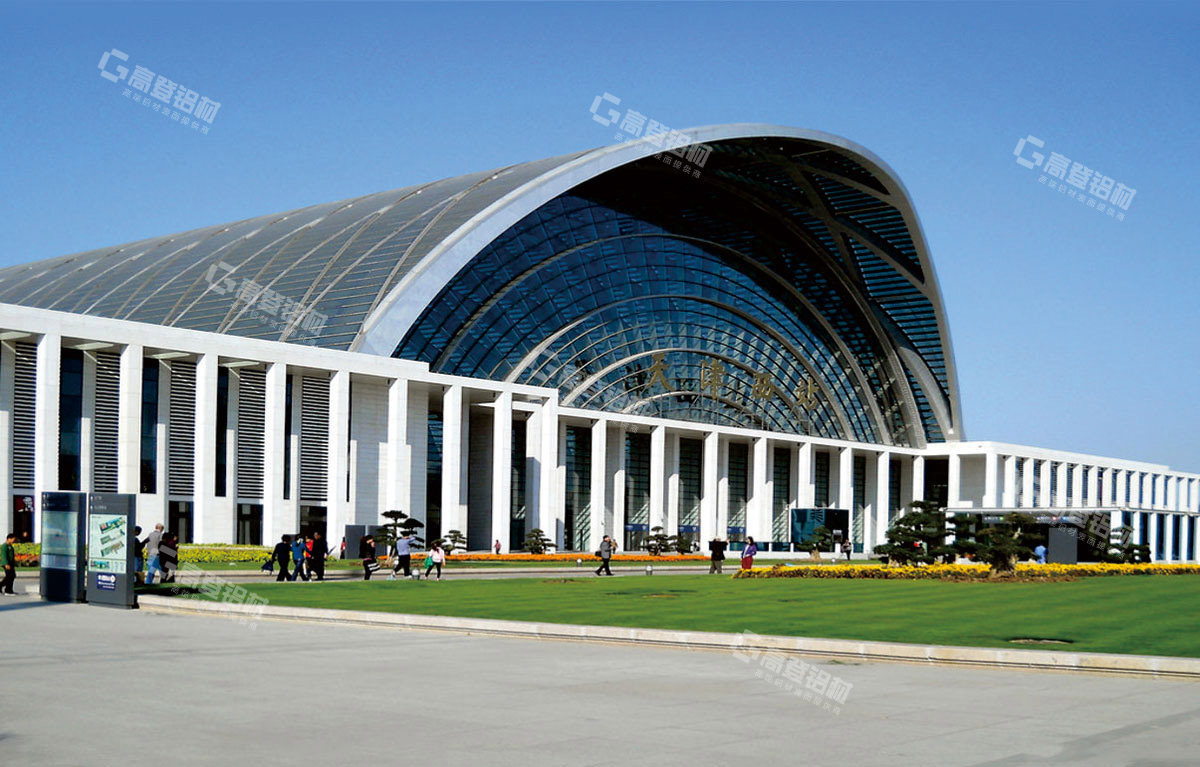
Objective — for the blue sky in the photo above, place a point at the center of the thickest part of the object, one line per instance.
(1071, 330)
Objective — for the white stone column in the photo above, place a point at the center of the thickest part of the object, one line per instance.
(1160, 491)
(416, 442)
(1008, 494)
(338, 513)
(918, 478)
(615, 484)
(806, 490)
(1028, 477)
(533, 471)
(708, 492)
(671, 479)
(7, 381)
(1194, 499)
(658, 490)
(210, 525)
(1136, 519)
(398, 460)
(1147, 500)
(292, 476)
(1077, 485)
(758, 522)
(1110, 488)
(277, 520)
(551, 513)
(883, 465)
(45, 421)
(954, 482)
(723, 488)
(1060, 497)
(1152, 538)
(456, 415)
(598, 523)
(1093, 485)
(845, 488)
(1046, 481)
(1172, 498)
(991, 480)
(1122, 497)
(502, 469)
(129, 421)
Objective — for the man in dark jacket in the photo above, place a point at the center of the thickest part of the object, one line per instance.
(317, 562)
(8, 558)
(281, 554)
(717, 547)
(606, 551)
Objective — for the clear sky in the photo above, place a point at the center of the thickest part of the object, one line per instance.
(1071, 329)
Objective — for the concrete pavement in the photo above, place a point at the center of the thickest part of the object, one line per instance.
(96, 686)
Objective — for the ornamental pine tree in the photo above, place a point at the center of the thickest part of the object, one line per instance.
(454, 541)
(821, 539)
(1002, 545)
(658, 543)
(917, 537)
(536, 542)
(399, 525)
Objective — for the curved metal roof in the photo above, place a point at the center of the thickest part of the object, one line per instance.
(372, 265)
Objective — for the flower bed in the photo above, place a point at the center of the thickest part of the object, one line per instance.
(571, 557)
(963, 572)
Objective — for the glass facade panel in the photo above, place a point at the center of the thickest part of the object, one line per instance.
(149, 455)
(739, 485)
(70, 414)
(637, 491)
(578, 460)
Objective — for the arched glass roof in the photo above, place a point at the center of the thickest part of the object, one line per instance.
(792, 263)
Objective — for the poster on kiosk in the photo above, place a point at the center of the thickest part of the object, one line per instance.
(111, 544)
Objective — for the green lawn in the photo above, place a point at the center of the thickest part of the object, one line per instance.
(1144, 615)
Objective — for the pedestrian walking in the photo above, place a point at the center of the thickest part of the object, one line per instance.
(282, 555)
(748, 554)
(8, 558)
(402, 555)
(605, 553)
(139, 556)
(433, 559)
(370, 563)
(298, 552)
(717, 556)
(497, 547)
(153, 543)
(316, 560)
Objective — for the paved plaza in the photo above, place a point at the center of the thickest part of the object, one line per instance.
(86, 685)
